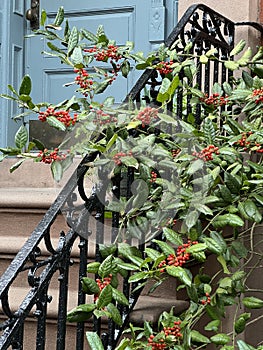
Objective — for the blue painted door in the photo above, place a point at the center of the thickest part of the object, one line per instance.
(12, 30)
(142, 21)
(145, 22)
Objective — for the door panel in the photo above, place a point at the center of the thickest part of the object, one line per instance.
(120, 23)
(145, 22)
(12, 26)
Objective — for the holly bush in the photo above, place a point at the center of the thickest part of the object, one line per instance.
(197, 191)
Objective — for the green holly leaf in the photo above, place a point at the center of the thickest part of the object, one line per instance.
(180, 273)
(197, 337)
(106, 266)
(89, 36)
(138, 276)
(165, 247)
(105, 297)
(55, 123)
(244, 346)
(16, 165)
(89, 286)
(239, 249)
(93, 267)
(94, 341)
(26, 85)
(81, 313)
(240, 325)
(119, 297)
(59, 17)
(73, 40)
(213, 246)
(252, 211)
(125, 68)
(114, 314)
(243, 61)
(77, 57)
(196, 248)
(172, 236)
(223, 263)
(213, 325)
(204, 59)
(228, 219)
(231, 65)
(21, 137)
(252, 302)
(57, 170)
(238, 48)
(220, 339)
(209, 131)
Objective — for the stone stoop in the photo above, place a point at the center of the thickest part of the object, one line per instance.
(24, 198)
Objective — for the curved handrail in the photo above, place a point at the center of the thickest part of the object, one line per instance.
(179, 33)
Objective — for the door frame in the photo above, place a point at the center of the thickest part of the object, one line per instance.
(12, 27)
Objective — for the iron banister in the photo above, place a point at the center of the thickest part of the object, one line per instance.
(199, 23)
(186, 20)
(255, 25)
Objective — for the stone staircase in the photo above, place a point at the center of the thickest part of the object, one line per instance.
(24, 200)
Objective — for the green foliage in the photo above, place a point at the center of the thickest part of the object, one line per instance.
(197, 189)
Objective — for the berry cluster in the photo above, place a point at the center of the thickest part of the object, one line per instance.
(180, 258)
(214, 100)
(104, 54)
(206, 300)
(117, 157)
(102, 118)
(164, 67)
(242, 142)
(171, 222)
(84, 81)
(206, 153)
(260, 149)
(258, 93)
(146, 115)
(175, 152)
(175, 330)
(159, 342)
(246, 144)
(156, 345)
(63, 116)
(102, 283)
(153, 176)
(48, 157)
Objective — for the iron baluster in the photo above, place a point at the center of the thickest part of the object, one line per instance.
(41, 314)
(83, 248)
(17, 343)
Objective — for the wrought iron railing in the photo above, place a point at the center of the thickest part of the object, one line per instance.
(205, 29)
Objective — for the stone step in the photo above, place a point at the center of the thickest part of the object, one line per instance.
(30, 331)
(21, 222)
(148, 308)
(141, 314)
(9, 246)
